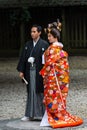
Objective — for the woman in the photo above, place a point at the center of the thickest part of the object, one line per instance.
(55, 75)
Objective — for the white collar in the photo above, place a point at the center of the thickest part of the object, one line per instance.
(58, 44)
(36, 41)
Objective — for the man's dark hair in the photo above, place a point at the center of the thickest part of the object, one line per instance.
(39, 28)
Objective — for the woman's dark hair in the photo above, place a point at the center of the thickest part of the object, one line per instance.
(55, 32)
(39, 28)
(54, 28)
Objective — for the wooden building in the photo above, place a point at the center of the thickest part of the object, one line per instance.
(72, 13)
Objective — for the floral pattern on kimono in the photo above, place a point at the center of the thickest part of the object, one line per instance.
(55, 75)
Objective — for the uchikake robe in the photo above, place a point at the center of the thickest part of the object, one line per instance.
(55, 75)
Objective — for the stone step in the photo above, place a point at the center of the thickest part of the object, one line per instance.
(17, 124)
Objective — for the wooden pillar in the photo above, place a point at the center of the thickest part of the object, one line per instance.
(22, 38)
(64, 29)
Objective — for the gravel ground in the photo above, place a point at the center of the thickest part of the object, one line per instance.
(13, 91)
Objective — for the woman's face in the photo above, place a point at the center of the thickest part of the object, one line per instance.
(51, 38)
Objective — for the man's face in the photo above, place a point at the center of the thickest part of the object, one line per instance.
(34, 33)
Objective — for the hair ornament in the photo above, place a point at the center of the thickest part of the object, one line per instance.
(59, 25)
(47, 30)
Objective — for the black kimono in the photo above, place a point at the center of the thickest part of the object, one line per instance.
(24, 66)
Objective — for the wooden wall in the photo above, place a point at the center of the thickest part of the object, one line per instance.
(74, 32)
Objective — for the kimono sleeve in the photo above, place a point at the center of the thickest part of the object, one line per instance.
(22, 60)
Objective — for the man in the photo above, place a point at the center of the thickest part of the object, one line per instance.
(29, 71)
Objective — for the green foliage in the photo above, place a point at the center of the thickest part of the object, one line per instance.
(19, 15)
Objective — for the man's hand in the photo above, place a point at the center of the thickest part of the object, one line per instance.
(21, 75)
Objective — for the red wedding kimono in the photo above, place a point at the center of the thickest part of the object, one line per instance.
(55, 75)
